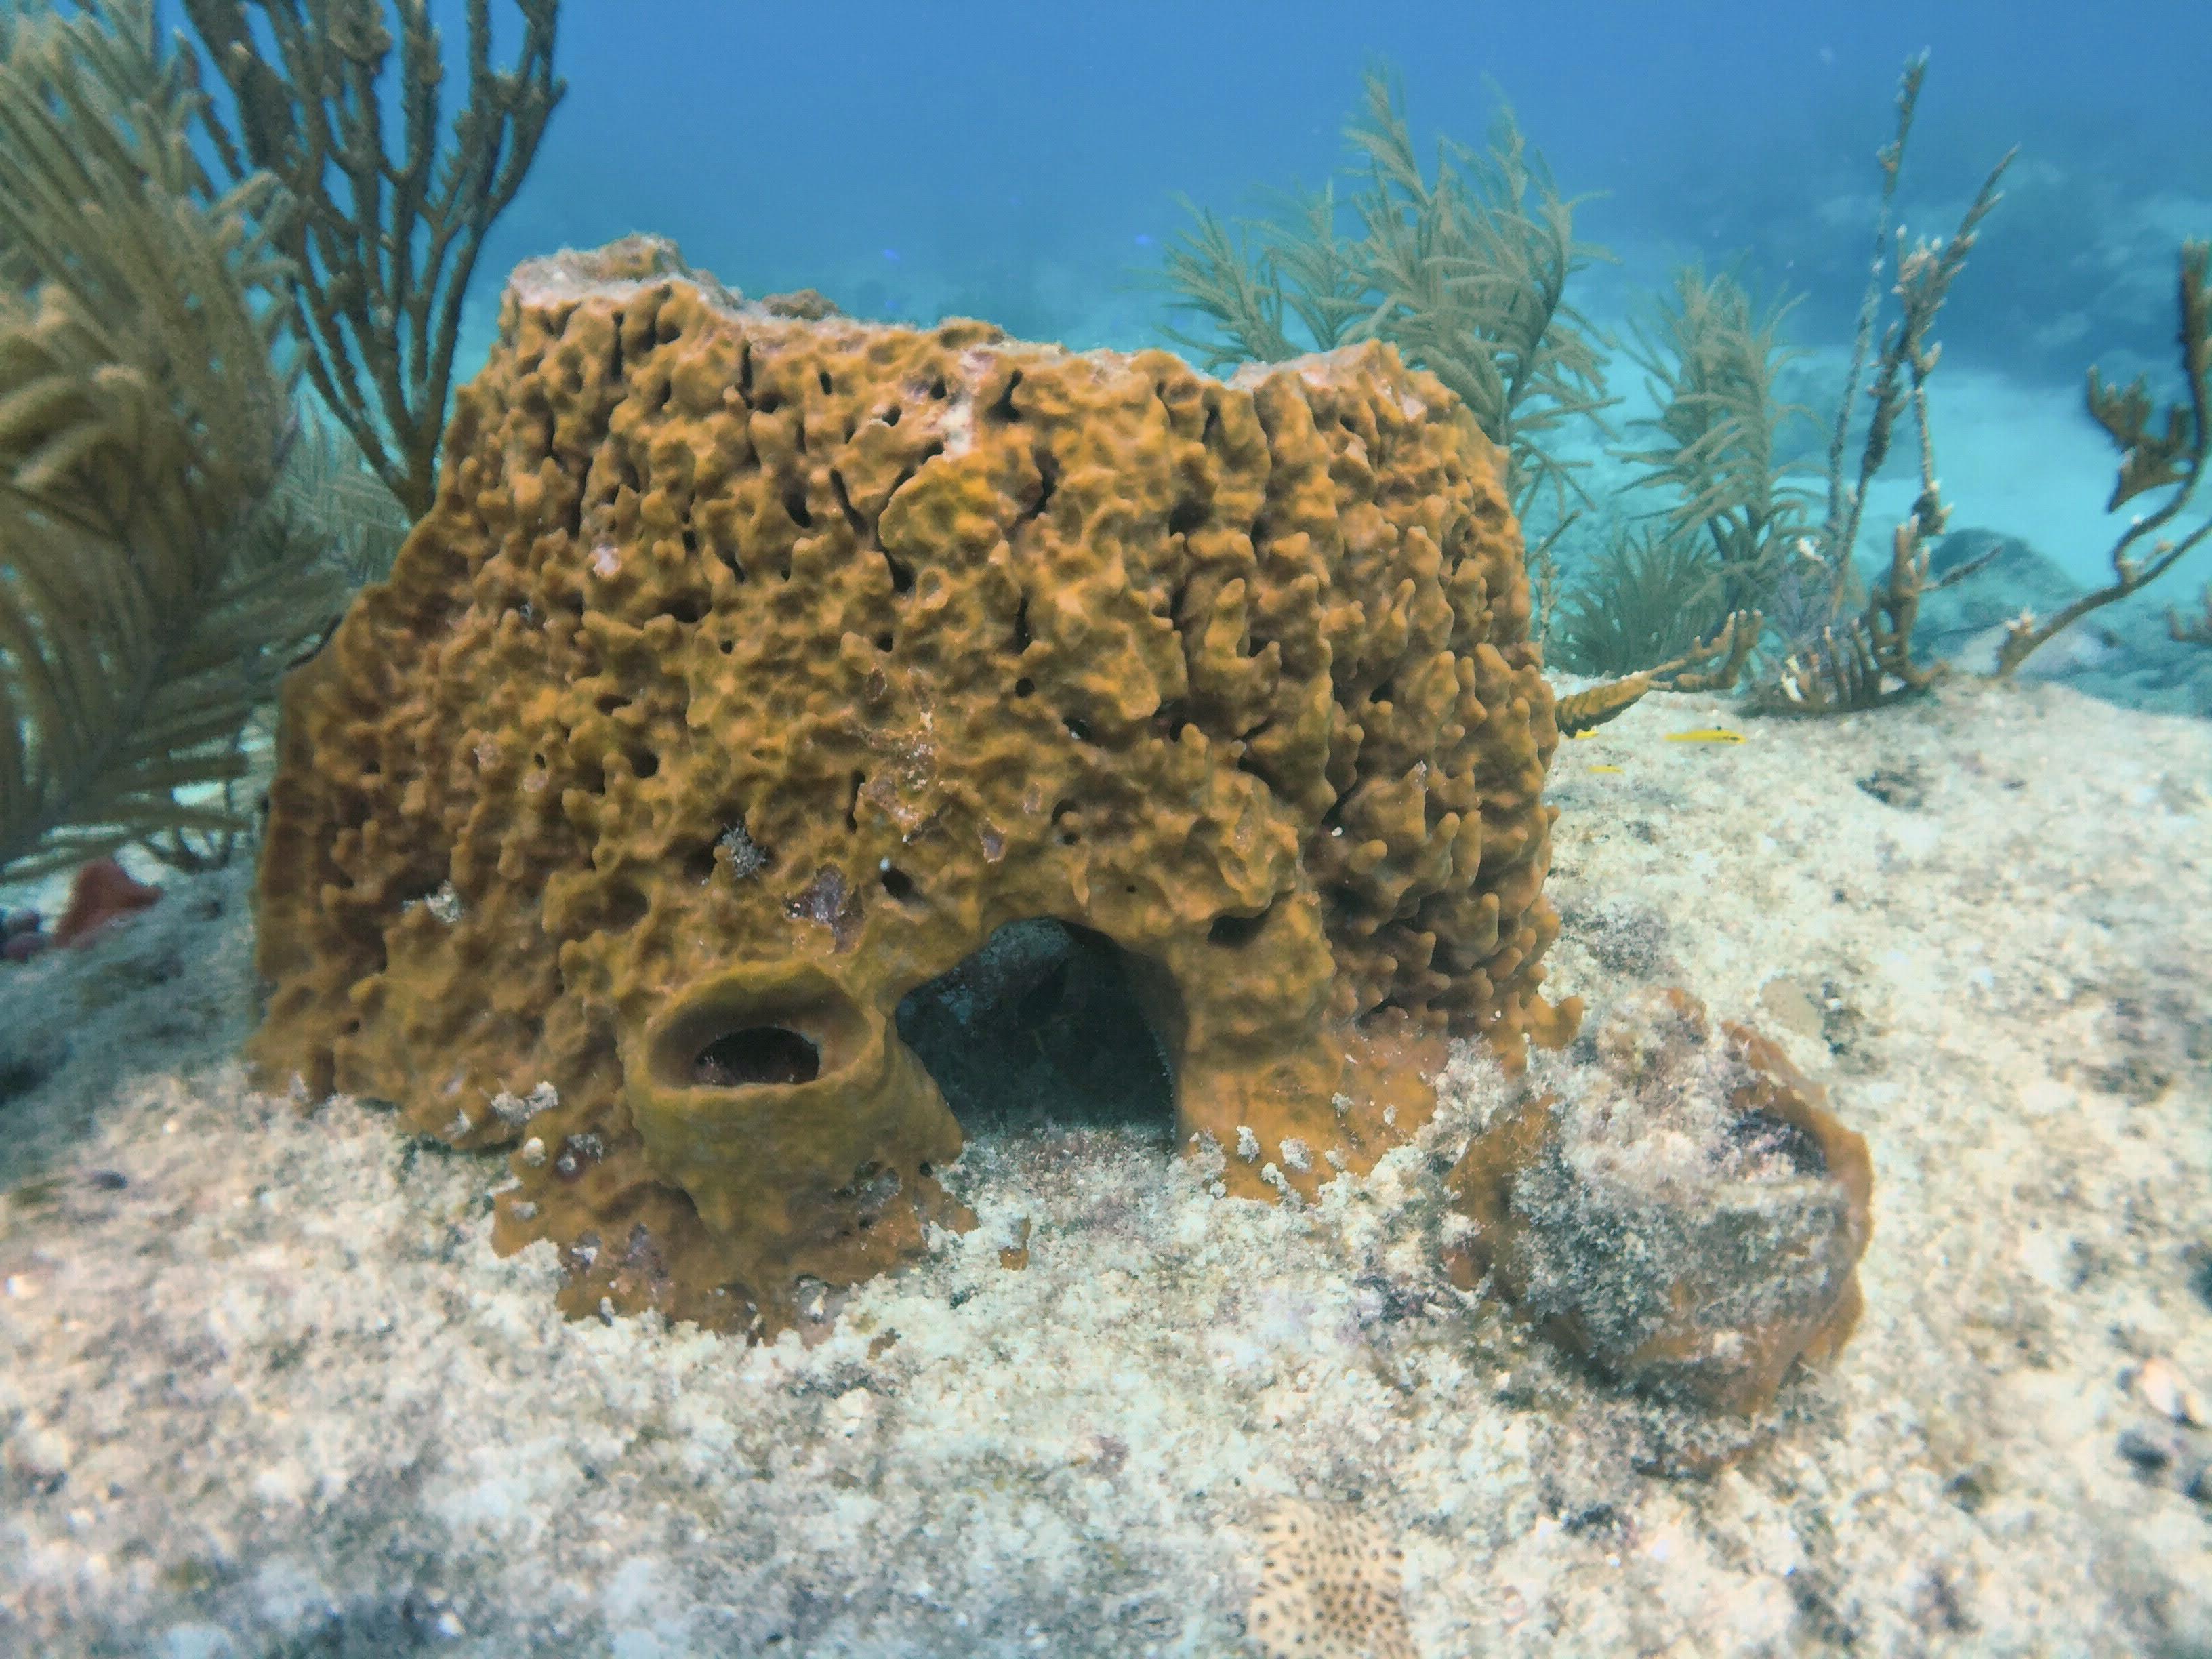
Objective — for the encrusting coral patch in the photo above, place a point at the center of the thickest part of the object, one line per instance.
(753, 669)
(1329, 1587)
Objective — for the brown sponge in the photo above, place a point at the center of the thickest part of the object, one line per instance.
(1687, 1216)
(753, 669)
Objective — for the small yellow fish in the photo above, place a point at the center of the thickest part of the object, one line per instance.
(1706, 734)
(1604, 768)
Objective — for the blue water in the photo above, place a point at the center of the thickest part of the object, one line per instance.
(1023, 160)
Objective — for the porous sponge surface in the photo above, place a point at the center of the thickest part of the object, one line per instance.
(751, 669)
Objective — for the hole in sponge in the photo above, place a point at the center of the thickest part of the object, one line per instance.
(1235, 931)
(1757, 1135)
(756, 1055)
(1048, 1022)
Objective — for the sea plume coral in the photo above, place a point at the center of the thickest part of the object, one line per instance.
(143, 421)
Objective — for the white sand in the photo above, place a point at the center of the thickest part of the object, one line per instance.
(272, 1393)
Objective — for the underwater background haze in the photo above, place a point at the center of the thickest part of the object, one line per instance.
(809, 954)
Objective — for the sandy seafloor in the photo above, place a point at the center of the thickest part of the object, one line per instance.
(267, 1390)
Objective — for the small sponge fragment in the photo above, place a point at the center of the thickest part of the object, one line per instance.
(1329, 1587)
(1691, 1222)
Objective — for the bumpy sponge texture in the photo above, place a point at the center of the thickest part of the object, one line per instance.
(751, 669)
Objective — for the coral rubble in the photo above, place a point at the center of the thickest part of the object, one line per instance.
(753, 669)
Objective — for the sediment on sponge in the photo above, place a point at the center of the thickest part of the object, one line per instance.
(753, 669)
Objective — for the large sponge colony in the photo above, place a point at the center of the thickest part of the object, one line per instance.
(752, 668)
